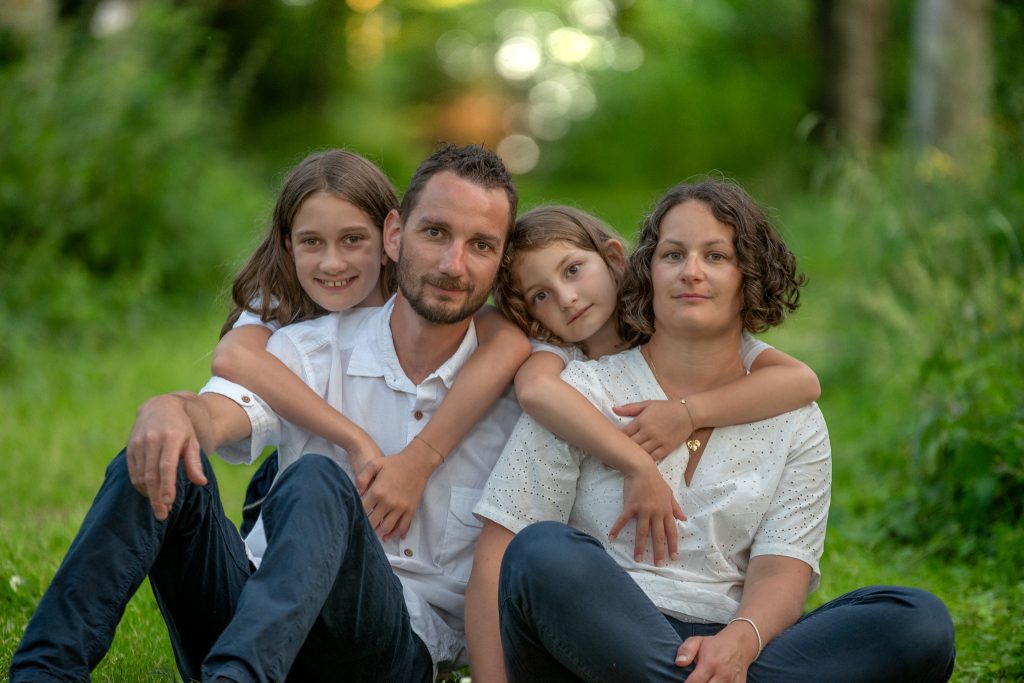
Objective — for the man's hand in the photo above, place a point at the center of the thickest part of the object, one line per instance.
(659, 427)
(162, 435)
(397, 486)
(648, 497)
(721, 658)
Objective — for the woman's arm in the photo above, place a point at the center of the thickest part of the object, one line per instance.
(399, 480)
(483, 635)
(570, 416)
(773, 599)
(242, 357)
(777, 383)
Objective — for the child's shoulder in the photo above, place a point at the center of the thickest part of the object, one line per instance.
(340, 329)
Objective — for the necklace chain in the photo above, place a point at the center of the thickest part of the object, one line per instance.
(692, 443)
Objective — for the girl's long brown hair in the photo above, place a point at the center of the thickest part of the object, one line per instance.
(267, 284)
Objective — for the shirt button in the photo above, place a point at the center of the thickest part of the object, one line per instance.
(407, 552)
(418, 414)
(245, 398)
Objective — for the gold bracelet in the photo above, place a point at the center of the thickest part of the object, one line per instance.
(424, 442)
(757, 633)
(692, 444)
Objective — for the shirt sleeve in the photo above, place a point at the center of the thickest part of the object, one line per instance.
(267, 426)
(750, 348)
(250, 318)
(562, 352)
(794, 524)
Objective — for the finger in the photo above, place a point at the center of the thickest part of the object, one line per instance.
(403, 526)
(658, 542)
(688, 651)
(388, 522)
(619, 523)
(630, 409)
(193, 463)
(136, 470)
(672, 534)
(642, 531)
(370, 501)
(630, 428)
(677, 511)
(168, 472)
(366, 476)
(152, 468)
(659, 453)
(646, 443)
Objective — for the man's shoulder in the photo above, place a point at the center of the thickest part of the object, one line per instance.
(340, 330)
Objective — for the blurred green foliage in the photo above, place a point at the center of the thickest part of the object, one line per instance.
(118, 188)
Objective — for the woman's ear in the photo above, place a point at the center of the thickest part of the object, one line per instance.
(392, 235)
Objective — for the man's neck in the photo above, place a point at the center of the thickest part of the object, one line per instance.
(422, 347)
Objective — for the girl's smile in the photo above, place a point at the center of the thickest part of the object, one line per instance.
(338, 252)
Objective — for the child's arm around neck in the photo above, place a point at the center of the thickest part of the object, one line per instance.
(242, 357)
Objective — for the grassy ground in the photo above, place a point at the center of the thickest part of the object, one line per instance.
(68, 412)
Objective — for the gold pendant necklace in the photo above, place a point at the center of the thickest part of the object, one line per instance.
(692, 443)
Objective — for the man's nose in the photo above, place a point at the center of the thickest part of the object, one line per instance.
(453, 260)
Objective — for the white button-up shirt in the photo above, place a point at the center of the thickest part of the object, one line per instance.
(349, 359)
(759, 489)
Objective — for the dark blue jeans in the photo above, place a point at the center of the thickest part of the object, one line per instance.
(324, 601)
(570, 613)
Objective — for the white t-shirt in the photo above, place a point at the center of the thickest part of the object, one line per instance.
(349, 359)
(759, 489)
(750, 348)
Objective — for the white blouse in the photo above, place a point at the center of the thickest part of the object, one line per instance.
(759, 489)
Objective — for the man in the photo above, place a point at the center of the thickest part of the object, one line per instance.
(327, 597)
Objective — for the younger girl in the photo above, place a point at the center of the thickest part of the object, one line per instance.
(560, 284)
(324, 253)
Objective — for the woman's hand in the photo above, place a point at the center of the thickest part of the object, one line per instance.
(721, 658)
(659, 427)
(648, 497)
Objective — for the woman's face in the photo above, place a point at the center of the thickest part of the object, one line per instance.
(695, 273)
(338, 253)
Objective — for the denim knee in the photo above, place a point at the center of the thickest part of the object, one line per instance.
(315, 479)
(928, 624)
(547, 555)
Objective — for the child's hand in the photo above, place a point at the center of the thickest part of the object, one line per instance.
(659, 427)
(365, 458)
(395, 490)
(648, 497)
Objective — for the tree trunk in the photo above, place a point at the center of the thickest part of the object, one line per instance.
(951, 80)
(855, 35)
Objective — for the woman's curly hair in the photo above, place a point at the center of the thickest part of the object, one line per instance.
(771, 285)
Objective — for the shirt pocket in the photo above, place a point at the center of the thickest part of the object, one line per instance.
(461, 531)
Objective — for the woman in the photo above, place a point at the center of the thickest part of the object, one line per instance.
(728, 605)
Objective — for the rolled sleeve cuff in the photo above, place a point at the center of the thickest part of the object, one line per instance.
(264, 421)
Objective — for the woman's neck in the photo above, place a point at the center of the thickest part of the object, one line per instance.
(687, 366)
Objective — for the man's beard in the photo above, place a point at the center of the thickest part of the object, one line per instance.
(412, 284)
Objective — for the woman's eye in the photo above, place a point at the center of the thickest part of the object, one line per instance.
(672, 256)
(715, 257)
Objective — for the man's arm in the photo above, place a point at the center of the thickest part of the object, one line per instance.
(175, 426)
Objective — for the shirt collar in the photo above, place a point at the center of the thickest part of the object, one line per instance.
(373, 354)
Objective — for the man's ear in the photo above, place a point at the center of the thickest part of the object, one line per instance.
(392, 234)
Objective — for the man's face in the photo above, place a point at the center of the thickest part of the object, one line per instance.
(449, 248)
